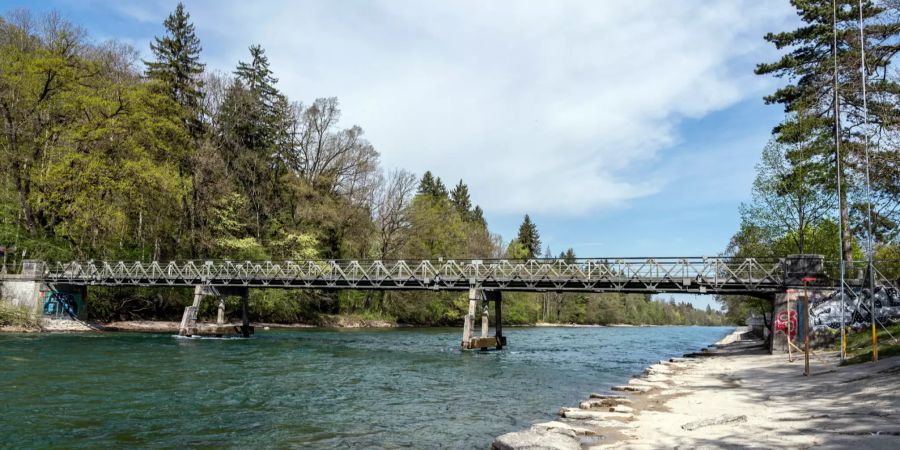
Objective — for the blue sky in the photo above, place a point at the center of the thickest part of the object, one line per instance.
(626, 128)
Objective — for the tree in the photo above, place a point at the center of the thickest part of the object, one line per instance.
(459, 198)
(432, 186)
(784, 202)
(813, 106)
(329, 159)
(252, 123)
(177, 65)
(436, 230)
(258, 77)
(40, 67)
(529, 238)
(568, 256)
(392, 211)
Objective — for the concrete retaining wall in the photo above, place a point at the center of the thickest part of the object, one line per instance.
(25, 294)
(52, 301)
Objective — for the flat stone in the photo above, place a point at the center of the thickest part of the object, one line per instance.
(536, 440)
(556, 425)
(632, 388)
(596, 395)
(622, 409)
(640, 382)
(603, 402)
(575, 413)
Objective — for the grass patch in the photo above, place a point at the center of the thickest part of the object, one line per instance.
(859, 344)
(16, 316)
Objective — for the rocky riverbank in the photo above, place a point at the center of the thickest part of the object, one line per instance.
(733, 396)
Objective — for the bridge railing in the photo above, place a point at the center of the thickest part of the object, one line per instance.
(886, 272)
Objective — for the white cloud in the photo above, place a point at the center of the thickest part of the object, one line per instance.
(539, 106)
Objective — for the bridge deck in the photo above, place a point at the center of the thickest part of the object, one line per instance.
(713, 275)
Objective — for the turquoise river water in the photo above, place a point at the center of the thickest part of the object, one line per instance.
(401, 388)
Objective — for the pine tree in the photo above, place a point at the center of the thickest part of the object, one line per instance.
(568, 255)
(426, 185)
(459, 198)
(434, 187)
(808, 97)
(529, 237)
(178, 65)
(258, 77)
(440, 191)
(478, 216)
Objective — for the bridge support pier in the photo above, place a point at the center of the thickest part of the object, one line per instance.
(189, 325)
(246, 329)
(484, 341)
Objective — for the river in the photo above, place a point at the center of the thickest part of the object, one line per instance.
(398, 388)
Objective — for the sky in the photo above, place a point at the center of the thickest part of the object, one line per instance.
(624, 128)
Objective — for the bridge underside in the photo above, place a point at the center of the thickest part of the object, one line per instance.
(644, 286)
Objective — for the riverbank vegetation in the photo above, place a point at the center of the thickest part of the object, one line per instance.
(796, 205)
(859, 345)
(106, 156)
(17, 317)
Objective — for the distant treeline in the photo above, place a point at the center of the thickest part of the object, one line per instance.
(104, 156)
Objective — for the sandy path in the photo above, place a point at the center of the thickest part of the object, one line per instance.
(770, 404)
(740, 398)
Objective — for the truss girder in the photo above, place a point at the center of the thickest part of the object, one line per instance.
(648, 275)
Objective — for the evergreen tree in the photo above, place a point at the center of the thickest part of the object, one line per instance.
(809, 95)
(258, 77)
(440, 191)
(177, 64)
(478, 216)
(459, 198)
(529, 237)
(432, 186)
(253, 121)
(568, 256)
(426, 185)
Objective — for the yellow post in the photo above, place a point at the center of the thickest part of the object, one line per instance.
(844, 341)
(874, 340)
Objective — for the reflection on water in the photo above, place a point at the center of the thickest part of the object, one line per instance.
(311, 388)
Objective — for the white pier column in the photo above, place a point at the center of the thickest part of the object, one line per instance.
(475, 294)
(484, 319)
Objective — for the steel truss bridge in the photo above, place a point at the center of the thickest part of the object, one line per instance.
(698, 275)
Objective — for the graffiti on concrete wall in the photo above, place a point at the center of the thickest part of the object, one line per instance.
(786, 322)
(827, 307)
(62, 305)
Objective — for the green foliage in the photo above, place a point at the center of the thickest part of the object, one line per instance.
(859, 343)
(619, 308)
(432, 186)
(16, 316)
(517, 251)
(529, 238)
(813, 84)
(177, 65)
(436, 229)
